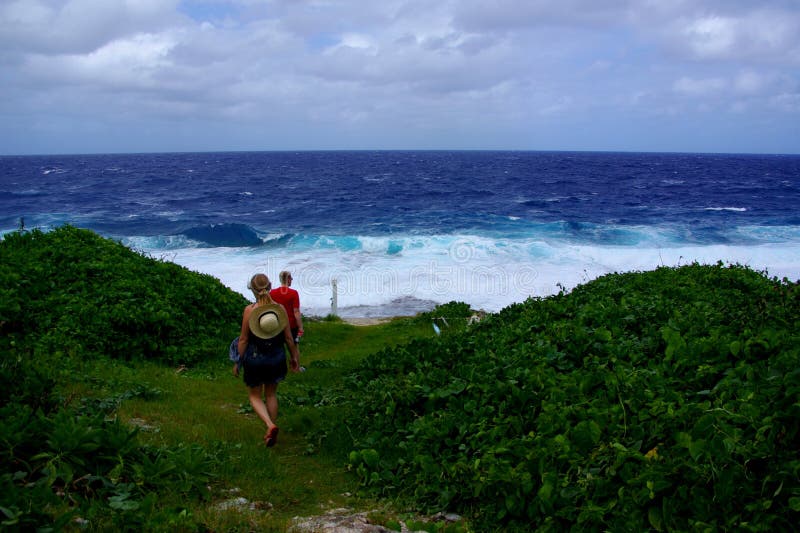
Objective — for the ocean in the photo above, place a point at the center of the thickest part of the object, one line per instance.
(398, 232)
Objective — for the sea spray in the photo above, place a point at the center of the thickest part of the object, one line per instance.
(485, 274)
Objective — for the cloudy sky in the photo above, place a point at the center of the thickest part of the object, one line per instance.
(87, 76)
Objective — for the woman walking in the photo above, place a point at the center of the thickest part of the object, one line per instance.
(265, 330)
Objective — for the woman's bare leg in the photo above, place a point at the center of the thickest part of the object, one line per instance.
(271, 400)
(259, 406)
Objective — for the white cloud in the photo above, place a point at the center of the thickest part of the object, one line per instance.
(515, 14)
(711, 36)
(764, 35)
(129, 62)
(79, 26)
(356, 41)
(324, 65)
(557, 106)
(700, 87)
(750, 82)
(789, 102)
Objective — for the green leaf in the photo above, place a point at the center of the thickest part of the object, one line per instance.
(13, 517)
(735, 347)
(794, 503)
(602, 334)
(545, 492)
(370, 457)
(121, 502)
(654, 517)
(586, 435)
(697, 448)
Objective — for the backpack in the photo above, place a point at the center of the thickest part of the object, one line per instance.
(233, 351)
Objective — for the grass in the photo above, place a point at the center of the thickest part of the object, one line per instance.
(305, 473)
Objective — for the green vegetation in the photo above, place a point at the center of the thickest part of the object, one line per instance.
(119, 411)
(72, 292)
(664, 400)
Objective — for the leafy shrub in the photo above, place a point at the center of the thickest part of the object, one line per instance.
(90, 468)
(68, 296)
(451, 310)
(70, 291)
(77, 463)
(446, 318)
(662, 400)
(26, 381)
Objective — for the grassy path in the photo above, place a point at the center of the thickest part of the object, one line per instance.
(304, 474)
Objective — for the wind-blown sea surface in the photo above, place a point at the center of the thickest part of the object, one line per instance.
(399, 232)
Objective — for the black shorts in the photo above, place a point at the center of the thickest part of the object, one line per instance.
(265, 369)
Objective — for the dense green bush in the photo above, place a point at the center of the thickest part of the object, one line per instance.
(73, 292)
(67, 297)
(664, 400)
(77, 467)
(455, 311)
(448, 318)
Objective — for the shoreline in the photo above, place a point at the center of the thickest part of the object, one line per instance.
(367, 321)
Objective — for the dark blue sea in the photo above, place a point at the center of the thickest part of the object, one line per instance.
(399, 232)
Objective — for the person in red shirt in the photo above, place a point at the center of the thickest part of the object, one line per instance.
(290, 300)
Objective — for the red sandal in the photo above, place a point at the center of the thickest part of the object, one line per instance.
(271, 438)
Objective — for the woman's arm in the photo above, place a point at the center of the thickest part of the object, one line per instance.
(245, 333)
(243, 339)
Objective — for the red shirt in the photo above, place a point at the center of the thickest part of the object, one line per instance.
(289, 299)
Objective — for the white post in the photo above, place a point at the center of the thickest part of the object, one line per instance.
(334, 303)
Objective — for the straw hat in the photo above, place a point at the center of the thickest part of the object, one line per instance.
(268, 320)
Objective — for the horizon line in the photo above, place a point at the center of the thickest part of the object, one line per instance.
(396, 150)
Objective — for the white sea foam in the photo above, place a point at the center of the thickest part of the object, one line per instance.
(52, 170)
(734, 209)
(385, 276)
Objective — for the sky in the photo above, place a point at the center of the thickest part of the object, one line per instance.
(118, 76)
